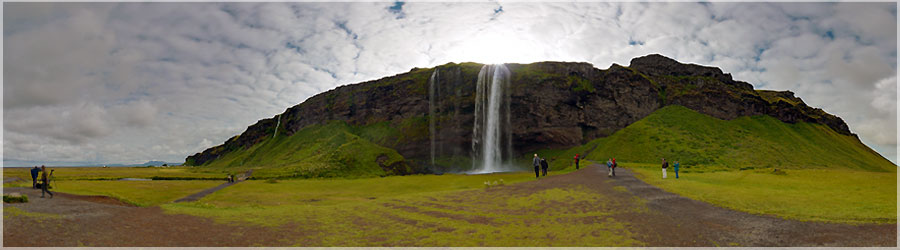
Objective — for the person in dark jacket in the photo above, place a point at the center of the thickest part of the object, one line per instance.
(665, 165)
(34, 175)
(45, 178)
(537, 166)
(544, 166)
(615, 165)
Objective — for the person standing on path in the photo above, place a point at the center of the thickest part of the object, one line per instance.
(537, 166)
(664, 166)
(544, 166)
(676, 169)
(576, 161)
(34, 175)
(614, 166)
(45, 177)
(609, 167)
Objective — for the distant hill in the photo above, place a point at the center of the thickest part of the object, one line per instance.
(21, 163)
(393, 125)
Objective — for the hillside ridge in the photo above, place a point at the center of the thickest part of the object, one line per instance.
(554, 104)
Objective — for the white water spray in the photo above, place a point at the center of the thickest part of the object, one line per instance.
(276, 127)
(433, 96)
(491, 120)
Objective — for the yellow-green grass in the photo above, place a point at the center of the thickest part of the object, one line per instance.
(114, 173)
(337, 191)
(828, 195)
(139, 193)
(12, 211)
(427, 210)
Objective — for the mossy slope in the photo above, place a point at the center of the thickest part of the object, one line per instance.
(679, 133)
(329, 150)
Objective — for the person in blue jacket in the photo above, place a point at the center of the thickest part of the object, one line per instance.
(34, 175)
(676, 169)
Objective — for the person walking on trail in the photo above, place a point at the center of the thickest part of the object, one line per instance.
(664, 166)
(537, 166)
(34, 176)
(676, 169)
(576, 161)
(45, 178)
(544, 166)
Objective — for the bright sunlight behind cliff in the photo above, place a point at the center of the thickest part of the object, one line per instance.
(496, 48)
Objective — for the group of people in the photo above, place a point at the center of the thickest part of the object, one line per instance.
(539, 165)
(665, 165)
(45, 180)
(611, 166)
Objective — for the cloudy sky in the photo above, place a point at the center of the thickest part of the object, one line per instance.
(132, 82)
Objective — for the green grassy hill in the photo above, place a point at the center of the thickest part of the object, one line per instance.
(697, 140)
(330, 150)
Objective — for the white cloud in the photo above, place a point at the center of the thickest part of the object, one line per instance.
(140, 81)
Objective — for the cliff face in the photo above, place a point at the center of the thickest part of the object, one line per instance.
(552, 105)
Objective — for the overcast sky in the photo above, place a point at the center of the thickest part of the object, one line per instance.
(133, 82)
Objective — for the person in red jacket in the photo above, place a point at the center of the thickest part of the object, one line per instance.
(576, 161)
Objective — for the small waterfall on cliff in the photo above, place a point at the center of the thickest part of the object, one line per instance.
(433, 95)
(276, 126)
(492, 120)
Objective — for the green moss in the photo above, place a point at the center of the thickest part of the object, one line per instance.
(329, 150)
(710, 144)
(581, 84)
(15, 199)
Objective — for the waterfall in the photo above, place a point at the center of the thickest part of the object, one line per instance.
(433, 95)
(276, 126)
(492, 120)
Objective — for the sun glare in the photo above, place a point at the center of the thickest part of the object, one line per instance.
(496, 49)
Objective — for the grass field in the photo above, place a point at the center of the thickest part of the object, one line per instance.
(263, 202)
(139, 193)
(420, 210)
(843, 195)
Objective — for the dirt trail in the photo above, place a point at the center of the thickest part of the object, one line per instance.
(665, 219)
(103, 221)
(720, 226)
(199, 195)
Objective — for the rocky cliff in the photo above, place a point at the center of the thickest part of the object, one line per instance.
(553, 105)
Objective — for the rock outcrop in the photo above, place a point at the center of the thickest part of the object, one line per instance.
(553, 105)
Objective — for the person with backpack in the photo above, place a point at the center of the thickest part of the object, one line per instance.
(576, 161)
(45, 177)
(664, 166)
(537, 166)
(544, 166)
(676, 169)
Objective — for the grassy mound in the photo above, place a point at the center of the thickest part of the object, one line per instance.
(329, 150)
(694, 139)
